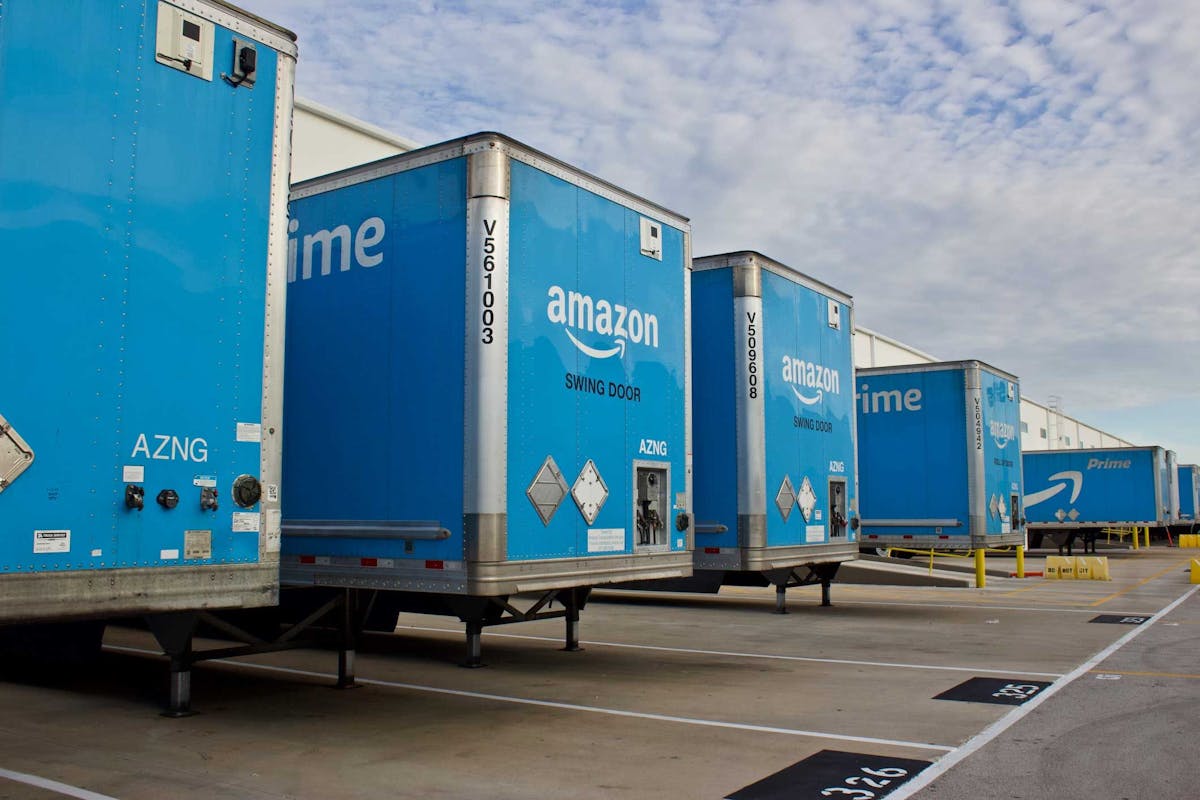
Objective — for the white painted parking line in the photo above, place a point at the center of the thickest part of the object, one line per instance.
(943, 765)
(612, 596)
(52, 786)
(528, 701)
(767, 656)
(972, 607)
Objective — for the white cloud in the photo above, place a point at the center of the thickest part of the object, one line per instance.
(1016, 181)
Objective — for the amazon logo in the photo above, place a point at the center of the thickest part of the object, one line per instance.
(1070, 477)
(621, 325)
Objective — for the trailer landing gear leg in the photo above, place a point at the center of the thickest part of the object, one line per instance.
(474, 645)
(572, 619)
(180, 703)
(349, 644)
(781, 598)
(174, 634)
(825, 586)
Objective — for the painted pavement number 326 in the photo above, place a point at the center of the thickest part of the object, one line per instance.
(834, 774)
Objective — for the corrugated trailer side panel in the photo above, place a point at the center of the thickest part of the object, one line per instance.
(1079, 488)
(143, 206)
(912, 453)
(713, 392)
(375, 339)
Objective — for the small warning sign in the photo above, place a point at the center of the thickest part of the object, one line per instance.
(197, 544)
(51, 541)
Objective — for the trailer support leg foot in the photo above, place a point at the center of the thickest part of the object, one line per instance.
(572, 619)
(474, 645)
(825, 593)
(781, 598)
(349, 644)
(180, 703)
(173, 630)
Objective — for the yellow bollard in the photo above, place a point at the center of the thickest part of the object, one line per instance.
(980, 574)
(1137, 532)
(1020, 561)
(1196, 570)
(1147, 537)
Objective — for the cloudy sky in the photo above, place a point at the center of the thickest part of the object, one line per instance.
(1015, 180)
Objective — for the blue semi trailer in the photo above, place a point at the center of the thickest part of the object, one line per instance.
(145, 172)
(776, 489)
(939, 456)
(1083, 490)
(488, 386)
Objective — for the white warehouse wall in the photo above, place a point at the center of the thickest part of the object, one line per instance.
(325, 140)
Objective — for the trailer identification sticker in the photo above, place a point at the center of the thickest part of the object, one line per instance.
(168, 555)
(133, 474)
(51, 541)
(249, 432)
(814, 533)
(245, 522)
(197, 544)
(606, 540)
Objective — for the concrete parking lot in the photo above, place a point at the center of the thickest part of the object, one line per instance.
(673, 696)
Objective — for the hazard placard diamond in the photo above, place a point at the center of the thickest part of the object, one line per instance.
(589, 492)
(547, 490)
(785, 498)
(807, 499)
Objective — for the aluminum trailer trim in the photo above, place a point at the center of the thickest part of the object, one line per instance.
(940, 366)
(931, 542)
(763, 559)
(238, 19)
(914, 523)
(755, 261)
(479, 142)
(486, 580)
(134, 591)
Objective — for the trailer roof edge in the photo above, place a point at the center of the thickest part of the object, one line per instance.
(743, 257)
(934, 366)
(476, 142)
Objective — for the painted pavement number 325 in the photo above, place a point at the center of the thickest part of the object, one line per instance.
(1001, 691)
